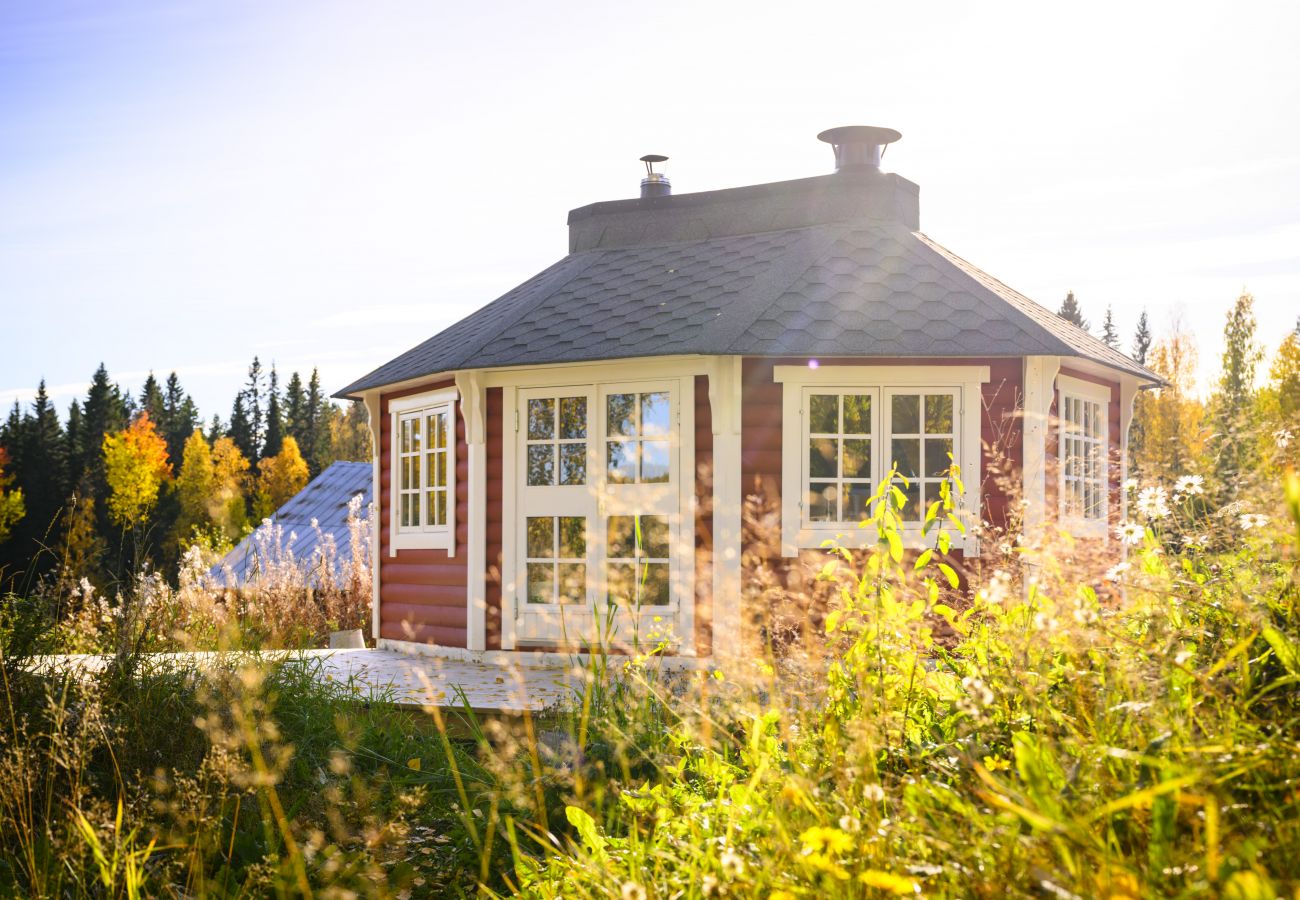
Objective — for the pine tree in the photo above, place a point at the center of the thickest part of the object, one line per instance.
(295, 411)
(215, 429)
(43, 475)
(254, 395)
(241, 428)
(1233, 450)
(103, 412)
(1142, 339)
(73, 437)
(274, 417)
(152, 401)
(1071, 312)
(180, 416)
(1109, 334)
(315, 439)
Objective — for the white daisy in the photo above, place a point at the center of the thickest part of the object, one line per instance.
(1153, 503)
(1116, 571)
(1130, 532)
(1190, 486)
(1252, 520)
(1130, 485)
(1283, 438)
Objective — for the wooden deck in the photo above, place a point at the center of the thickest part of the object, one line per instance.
(406, 679)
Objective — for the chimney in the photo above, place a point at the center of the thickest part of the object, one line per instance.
(858, 147)
(655, 184)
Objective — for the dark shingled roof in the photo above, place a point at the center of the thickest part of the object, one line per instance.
(324, 501)
(829, 266)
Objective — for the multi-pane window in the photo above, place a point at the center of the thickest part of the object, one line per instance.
(921, 431)
(637, 560)
(854, 437)
(557, 559)
(557, 440)
(424, 441)
(1083, 457)
(841, 475)
(637, 438)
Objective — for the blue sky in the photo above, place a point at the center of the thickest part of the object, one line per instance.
(185, 185)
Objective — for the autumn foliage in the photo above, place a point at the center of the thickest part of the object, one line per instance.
(136, 467)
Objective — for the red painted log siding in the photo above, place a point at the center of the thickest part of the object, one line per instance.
(422, 592)
(495, 454)
(703, 518)
(1114, 468)
(1000, 433)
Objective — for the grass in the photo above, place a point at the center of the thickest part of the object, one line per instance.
(1061, 734)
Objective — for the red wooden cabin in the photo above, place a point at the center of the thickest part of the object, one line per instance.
(577, 452)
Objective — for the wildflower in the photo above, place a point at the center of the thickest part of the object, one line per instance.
(780, 895)
(1153, 503)
(1084, 614)
(732, 865)
(709, 885)
(821, 839)
(873, 793)
(889, 882)
(1130, 532)
(1116, 571)
(1130, 485)
(977, 689)
(1252, 520)
(1190, 486)
(1044, 622)
(850, 824)
(633, 891)
(995, 763)
(1283, 438)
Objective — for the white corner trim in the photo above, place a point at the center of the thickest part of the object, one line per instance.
(442, 537)
(725, 403)
(474, 410)
(509, 514)
(965, 382)
(371, 401)
(1128, 392)
(1039, 378)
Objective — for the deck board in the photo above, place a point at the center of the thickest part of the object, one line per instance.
(406, 679)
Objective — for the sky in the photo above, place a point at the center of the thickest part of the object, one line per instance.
(325, 184)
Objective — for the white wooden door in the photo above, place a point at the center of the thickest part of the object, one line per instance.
(602, 555)
(557, 515)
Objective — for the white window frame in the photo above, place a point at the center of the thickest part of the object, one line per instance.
(1068, 388)
(422, 537)
(965, 382)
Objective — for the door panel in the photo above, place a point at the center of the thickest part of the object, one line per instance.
(599, 541)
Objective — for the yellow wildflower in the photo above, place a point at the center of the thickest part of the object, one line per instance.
(887, 881)
(821, 839)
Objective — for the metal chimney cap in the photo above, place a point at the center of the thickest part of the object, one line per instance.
(859, 134)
